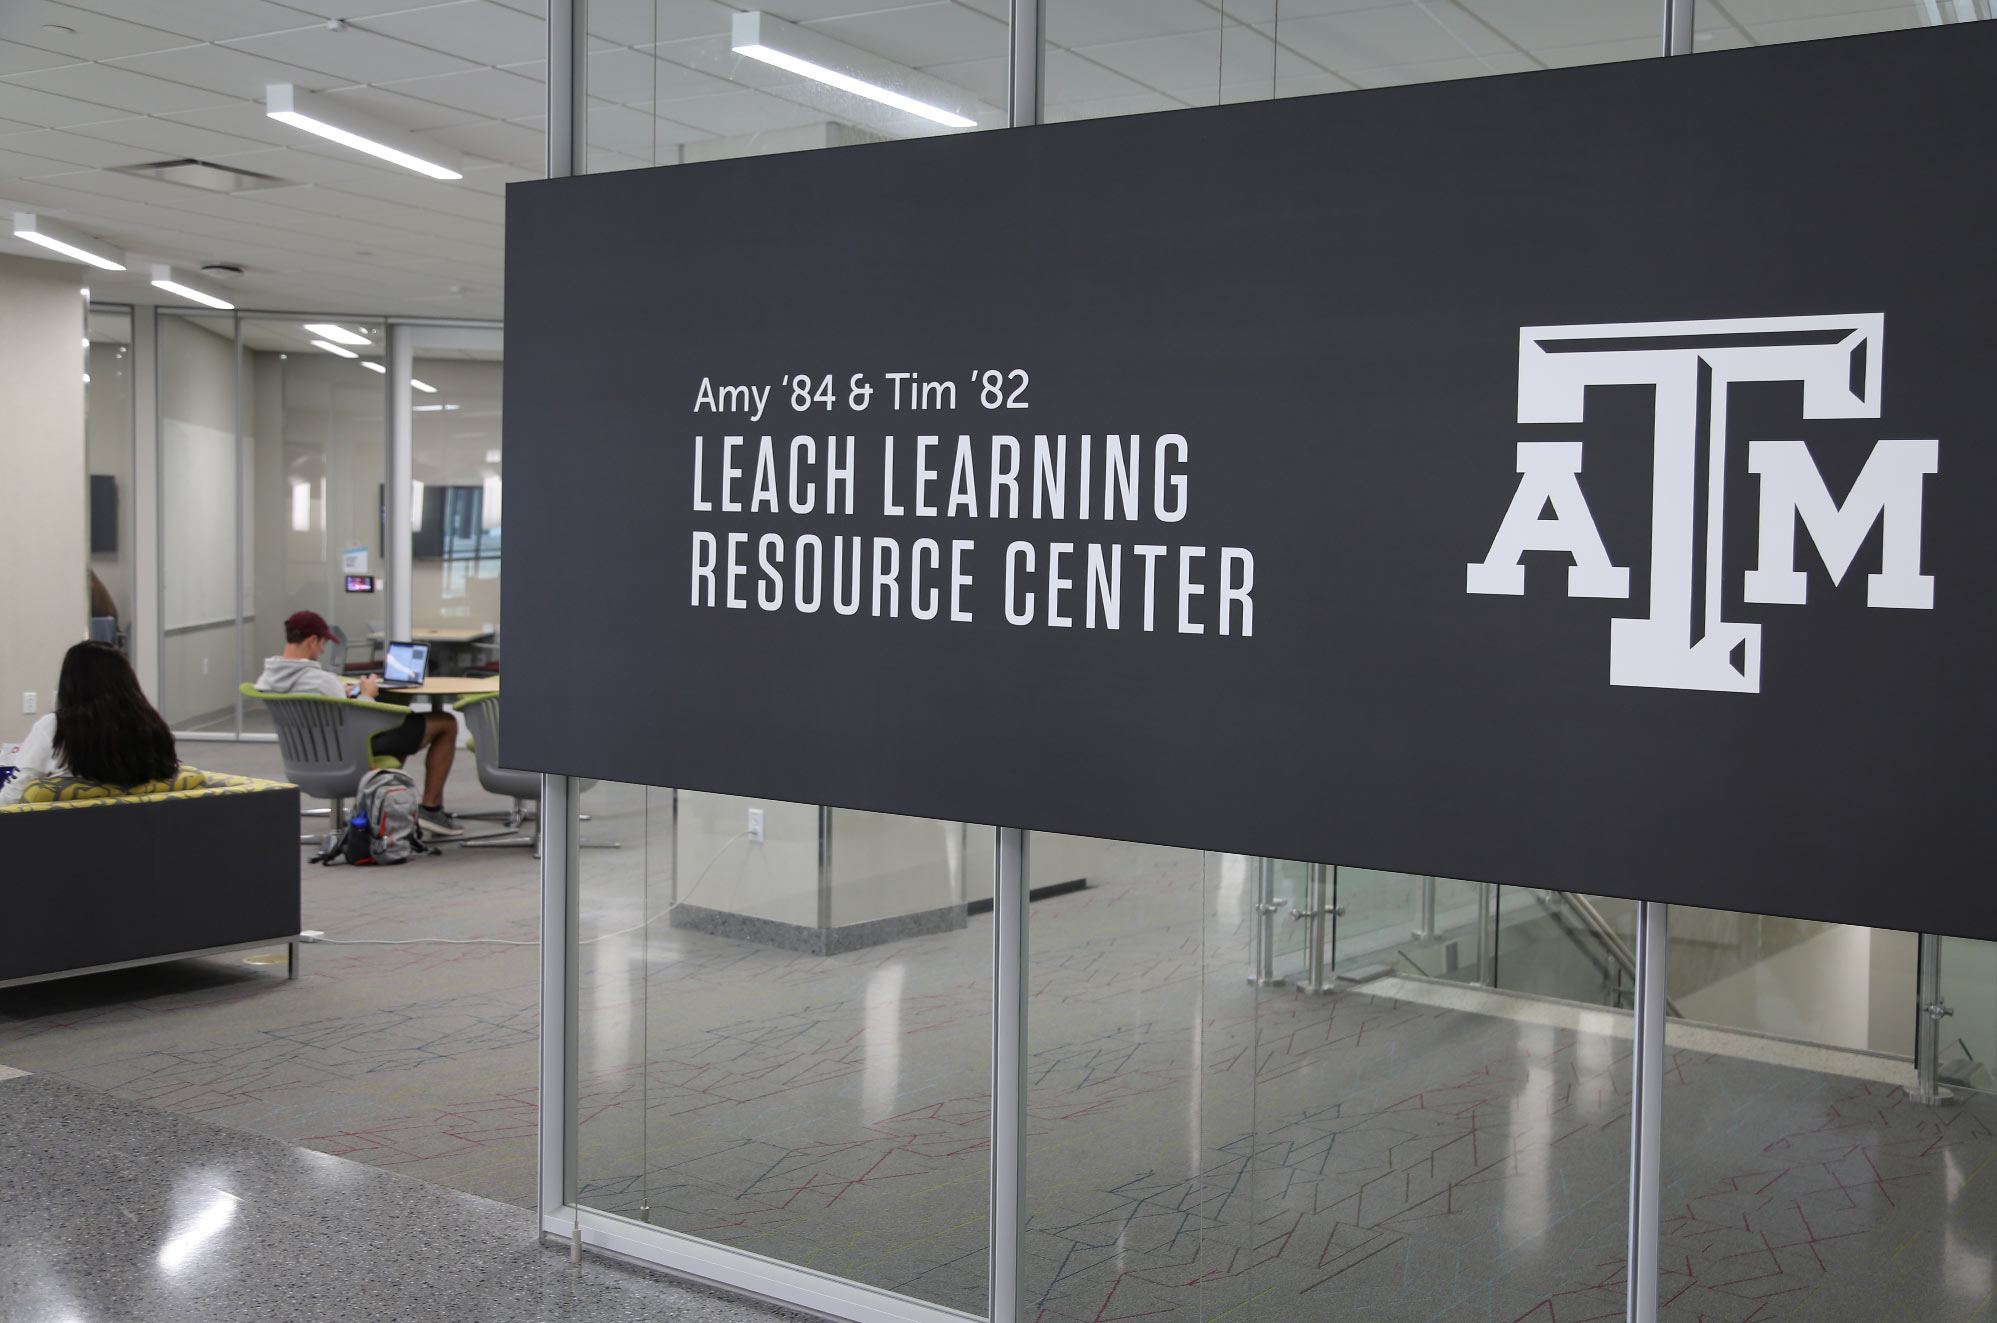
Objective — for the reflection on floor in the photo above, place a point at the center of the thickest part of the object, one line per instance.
(1203, 1148)
(111, 1211)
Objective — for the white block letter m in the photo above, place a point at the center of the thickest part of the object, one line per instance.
(1888, 490)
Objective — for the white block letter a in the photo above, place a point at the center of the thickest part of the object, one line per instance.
(1547, 471)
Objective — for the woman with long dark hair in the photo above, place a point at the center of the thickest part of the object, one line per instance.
(102, 729)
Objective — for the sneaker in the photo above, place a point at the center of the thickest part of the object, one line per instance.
(436, 822)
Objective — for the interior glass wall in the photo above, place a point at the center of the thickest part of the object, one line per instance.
(317, 439)
(273, 463)
(457, 507)
(1256, 1087)
(785, 1045)
(784, 1034)
(206, 606)
(109, 456)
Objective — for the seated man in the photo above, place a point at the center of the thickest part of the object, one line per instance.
(296, 670)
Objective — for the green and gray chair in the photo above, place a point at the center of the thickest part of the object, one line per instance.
(327, 745)
(481, 717)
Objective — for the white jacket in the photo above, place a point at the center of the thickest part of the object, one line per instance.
(38, 758)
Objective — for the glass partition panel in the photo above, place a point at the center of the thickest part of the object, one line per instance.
(1739, 23)
(318, 434)
(670, 82)
(457, 508)
(1803, 1180)
(1110, 57)
(204, 474)
(762, 1073)
(107, 397)
(1966, 1055)
(1830, 983)
(1218, 1133)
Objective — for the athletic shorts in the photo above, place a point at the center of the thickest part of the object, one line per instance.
(401, 741)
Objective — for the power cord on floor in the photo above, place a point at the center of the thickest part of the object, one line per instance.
(320, 939)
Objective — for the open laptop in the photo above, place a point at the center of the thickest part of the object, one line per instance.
(406, 665)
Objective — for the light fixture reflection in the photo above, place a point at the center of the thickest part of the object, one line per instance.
(337, 334)
(813, 55)
(164, 277)
(372, 366)
(332, 348)
(213, 1217)
(423, 386)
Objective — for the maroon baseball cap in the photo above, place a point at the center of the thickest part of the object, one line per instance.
(307, 625)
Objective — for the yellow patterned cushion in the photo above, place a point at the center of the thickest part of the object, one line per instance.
(64, 789)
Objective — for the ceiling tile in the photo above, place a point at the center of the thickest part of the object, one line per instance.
(1834, 25)
(1438, 70)
(924, 34)
(222, 68)
(16, 58)
(490, 93)
(635, 77)
(471, 29)
(133, 93)
(49, 111)
(165, 139)
(985, 79)
(353, 54)
(1183, 64)
(641, 22)
(1388, 38)
(494, 142)
(1098, 21)
(1538, 25)
(401, 110)
(73, 151)
(98, 36)
(203, 20)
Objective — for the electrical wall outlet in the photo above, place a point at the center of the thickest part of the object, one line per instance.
(28, 705)
(755, 832)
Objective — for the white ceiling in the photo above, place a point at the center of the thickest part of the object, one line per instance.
(90, 85)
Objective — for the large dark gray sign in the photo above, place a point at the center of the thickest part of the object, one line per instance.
(1575, 479)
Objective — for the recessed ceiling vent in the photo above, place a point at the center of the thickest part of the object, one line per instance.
(204, 175)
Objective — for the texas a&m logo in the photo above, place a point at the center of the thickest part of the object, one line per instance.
(1685, 643)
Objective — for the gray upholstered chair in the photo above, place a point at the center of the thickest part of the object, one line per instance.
(327, 745)
(481, 717)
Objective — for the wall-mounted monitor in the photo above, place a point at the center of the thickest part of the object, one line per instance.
(103, 514)
(360, 583)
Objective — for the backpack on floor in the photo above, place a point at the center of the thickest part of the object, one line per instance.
(383, 829)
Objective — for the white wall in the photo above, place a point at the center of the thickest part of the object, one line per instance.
(197, 466)
(44, 538)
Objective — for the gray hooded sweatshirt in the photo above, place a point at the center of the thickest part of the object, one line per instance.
(297, 675)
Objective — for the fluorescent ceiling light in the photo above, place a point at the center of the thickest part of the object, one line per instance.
(332, 348)
(350, 128)
(74, 244)
(337, 334)
(431, 408)
(423, 386)
(372, 366)
(166, 278)
(821, 59)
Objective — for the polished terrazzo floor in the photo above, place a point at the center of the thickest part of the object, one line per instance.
(112, 1212)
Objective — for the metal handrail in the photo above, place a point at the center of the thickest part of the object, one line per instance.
(1600, 929)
